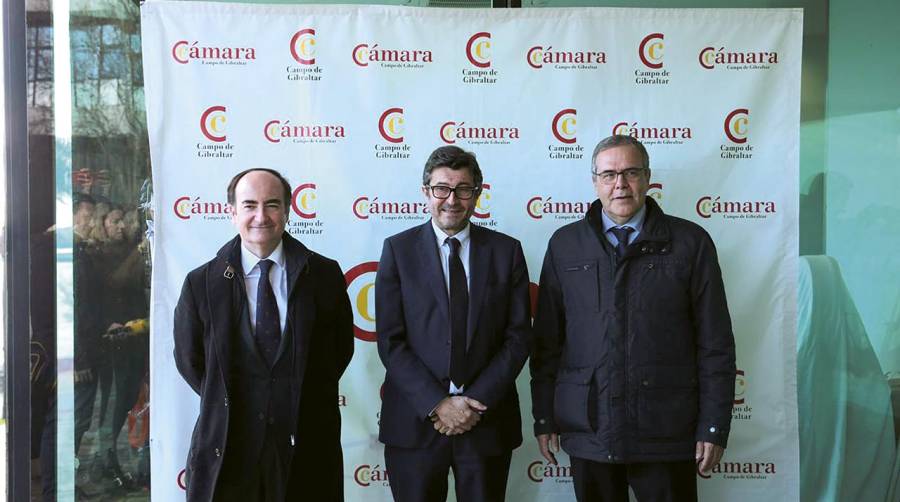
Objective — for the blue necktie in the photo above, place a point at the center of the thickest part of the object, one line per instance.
(459, 315)
(268, 323)
(621, 234)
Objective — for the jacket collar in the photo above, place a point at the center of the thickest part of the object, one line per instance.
(296, 256)
(431, 266)
(225, 286)
(479, 269)
(656, 228)
(654, 236)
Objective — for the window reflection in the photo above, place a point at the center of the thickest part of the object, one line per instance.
(39, 65)
(111, 260)
(110, 254)
(111, 347)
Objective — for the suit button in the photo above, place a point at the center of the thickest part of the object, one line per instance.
(645, 383)
(218, 452)
(271, 421)
(609, 457)
(650, 266)
(712, 429)
(542, 421)
(273, 380)
(261, 416)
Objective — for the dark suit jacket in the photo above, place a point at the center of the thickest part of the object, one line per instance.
(206, 330)
(414, 331)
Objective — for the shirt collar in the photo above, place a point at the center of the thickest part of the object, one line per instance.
(462, 236)
(636, 222)
(250, 260)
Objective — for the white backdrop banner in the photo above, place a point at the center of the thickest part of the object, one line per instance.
(348, 102)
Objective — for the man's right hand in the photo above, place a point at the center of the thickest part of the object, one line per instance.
(457, 414)
(549, 444)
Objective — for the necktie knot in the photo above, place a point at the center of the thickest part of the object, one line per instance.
(621, 234)
(454, 245)
(265, 266)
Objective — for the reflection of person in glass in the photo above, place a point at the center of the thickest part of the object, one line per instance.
(122, 310)
(84, 212)
(98, 225)
(633, 364)
(263, 332)
(87, 329)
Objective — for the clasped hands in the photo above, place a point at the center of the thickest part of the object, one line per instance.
(456, 414)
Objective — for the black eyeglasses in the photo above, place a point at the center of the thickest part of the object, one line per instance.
(610, 177)
(443, 191)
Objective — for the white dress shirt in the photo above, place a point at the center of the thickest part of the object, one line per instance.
(444, 247)
(277, 278)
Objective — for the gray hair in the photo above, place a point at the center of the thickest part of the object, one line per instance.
(617, 140)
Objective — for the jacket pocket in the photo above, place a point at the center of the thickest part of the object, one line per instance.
(581, 286)
(573, 399)
(668, 403)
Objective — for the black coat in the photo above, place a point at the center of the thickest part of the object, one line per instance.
(634, 357)
(206, 327)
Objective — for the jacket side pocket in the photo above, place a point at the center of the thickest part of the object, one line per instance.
(572, 400)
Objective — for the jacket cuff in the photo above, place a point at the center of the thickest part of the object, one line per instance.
(713, 433)
(544, 426)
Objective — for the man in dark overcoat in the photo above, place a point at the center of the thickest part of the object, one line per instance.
(263, 332)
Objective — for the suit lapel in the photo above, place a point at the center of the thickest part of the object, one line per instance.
(226, 299)
(297, 258)
(479, 264)
(431, 267)
(301, 298)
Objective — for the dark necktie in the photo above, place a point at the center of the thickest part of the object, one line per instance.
(621, 234)
(459, 315)
(268, 324)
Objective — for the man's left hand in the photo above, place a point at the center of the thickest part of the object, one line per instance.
(445, 429)
(707, 455)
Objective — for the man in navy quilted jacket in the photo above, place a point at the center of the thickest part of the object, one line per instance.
(633, 364)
